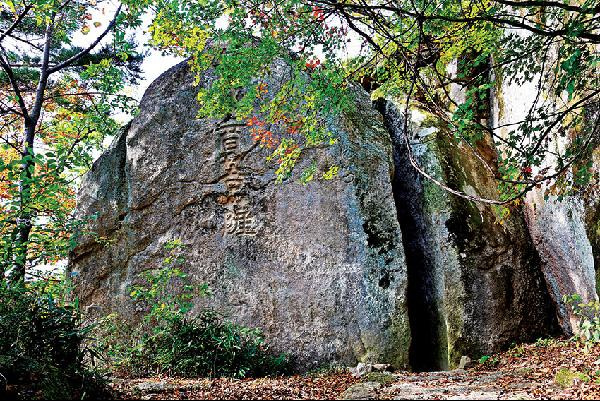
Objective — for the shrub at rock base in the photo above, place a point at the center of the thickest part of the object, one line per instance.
(168, 341)
(41, 344)
(588, 319)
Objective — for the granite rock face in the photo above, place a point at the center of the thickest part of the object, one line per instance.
(319, 268)
(479, 279)
(558, 232)
(592, 220)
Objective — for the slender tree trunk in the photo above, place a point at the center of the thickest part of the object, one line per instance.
(24, 220)
(26, 214)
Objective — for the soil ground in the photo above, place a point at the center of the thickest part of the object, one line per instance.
(549, 369)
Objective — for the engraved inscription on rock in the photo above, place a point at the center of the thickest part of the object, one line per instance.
(239, 217)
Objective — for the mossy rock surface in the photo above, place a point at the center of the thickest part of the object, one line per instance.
(382, 378)
(566, 378)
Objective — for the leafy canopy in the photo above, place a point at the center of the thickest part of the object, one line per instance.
(58, 98)
(417, 51)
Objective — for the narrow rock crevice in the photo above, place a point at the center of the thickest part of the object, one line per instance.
(429, 348)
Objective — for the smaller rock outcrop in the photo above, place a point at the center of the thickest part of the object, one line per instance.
(558, 231)
(474, 285)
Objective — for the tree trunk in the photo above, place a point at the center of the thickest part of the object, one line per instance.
(24, 220)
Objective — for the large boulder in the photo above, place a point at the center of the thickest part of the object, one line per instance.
(319, 267)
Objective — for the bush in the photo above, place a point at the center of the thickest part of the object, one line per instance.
(588, 315)
(41, 341)
(169, 341)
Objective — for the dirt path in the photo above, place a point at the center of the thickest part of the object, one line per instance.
(454, 385)
(553, 370)
(278, 388)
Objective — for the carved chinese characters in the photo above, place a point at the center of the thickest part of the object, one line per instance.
(239, 219)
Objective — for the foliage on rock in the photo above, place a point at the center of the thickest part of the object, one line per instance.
(588, 315)
(411, 50)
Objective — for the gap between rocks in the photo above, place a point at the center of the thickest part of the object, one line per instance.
(429, 349)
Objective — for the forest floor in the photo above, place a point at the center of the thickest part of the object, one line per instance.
(546, 370)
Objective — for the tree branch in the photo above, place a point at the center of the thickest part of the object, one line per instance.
(15, 86)
(15, 23)
(82, 53)
(542, 3)
(502, 21)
